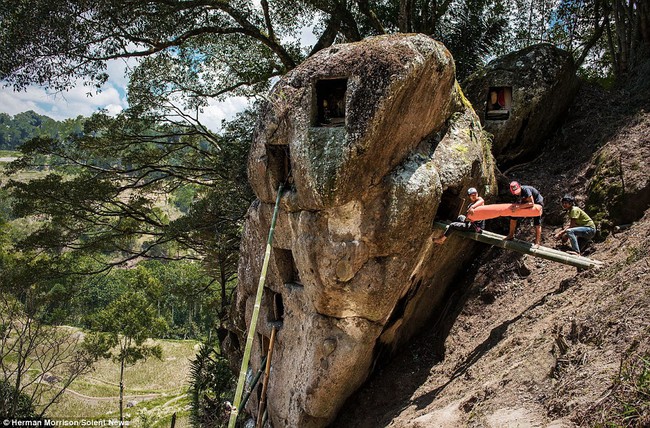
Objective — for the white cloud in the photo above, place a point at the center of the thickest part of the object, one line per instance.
(113, 109)
(84, 100)
(307, 36)
(220, 110)
(79, 100)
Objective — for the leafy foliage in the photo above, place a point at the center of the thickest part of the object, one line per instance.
(22, 409)
(128, 321)
(103, 205)
(473, 30)
(121, 329)
(38, 361)
(107, 197)
(212, 383)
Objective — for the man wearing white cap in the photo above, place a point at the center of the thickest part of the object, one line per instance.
(461, 222)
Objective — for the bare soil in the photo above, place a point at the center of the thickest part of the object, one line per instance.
(529, 342)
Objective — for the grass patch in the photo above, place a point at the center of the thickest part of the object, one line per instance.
(628, 404)
(10, 154)
(22, 176)
(152, 375)
(154, 390)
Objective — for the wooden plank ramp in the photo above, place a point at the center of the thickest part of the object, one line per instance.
(547, 253)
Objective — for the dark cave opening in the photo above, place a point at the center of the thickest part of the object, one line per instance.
(279, 165)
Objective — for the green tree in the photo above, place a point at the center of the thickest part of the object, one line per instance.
(212, 384)
(606, 37)
(38, 361)
(202, 49)
(23, 409)
(22, 127)
(186, 297)
(39, 358)
(122, 329)
(105, 196)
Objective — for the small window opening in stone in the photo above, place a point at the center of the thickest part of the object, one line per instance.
(278, 307)
(330, 102)
(286, 266)
(499, 103)
(279, 165)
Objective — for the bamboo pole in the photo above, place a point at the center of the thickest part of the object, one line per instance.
(265, 382)
(526, 248)
(256, 311)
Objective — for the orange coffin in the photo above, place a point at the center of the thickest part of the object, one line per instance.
(486, 212)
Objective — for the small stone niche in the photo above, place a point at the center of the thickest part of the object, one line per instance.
(286, 266)
(499, 103)
(279, 165)
(330, 102)
(275, 305)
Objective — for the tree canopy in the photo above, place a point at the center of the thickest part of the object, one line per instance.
(111, 176)
(108, 182)
(205, 49)
(16, 130)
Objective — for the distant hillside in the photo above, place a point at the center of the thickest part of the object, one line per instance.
(532, 343)
(22, 127)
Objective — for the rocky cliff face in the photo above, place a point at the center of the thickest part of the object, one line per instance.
(521, 98)
(372, 140)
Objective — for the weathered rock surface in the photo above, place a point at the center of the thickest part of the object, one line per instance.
(353, 272)
(618, 191)
(540, 83)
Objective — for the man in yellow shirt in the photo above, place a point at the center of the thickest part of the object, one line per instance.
(580, 226)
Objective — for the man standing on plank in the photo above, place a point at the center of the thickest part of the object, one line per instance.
(527, 196)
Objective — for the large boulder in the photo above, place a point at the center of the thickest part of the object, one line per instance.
(373, 140)
(521, 98)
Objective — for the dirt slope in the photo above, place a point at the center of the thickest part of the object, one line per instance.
(532, 343)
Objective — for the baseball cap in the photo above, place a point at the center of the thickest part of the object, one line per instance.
(514, 187)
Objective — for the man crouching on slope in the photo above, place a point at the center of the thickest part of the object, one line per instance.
(580, 226)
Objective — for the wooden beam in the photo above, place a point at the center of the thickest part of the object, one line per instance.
(525, 248)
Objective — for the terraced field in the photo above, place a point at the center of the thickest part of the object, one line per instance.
(154, 390)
